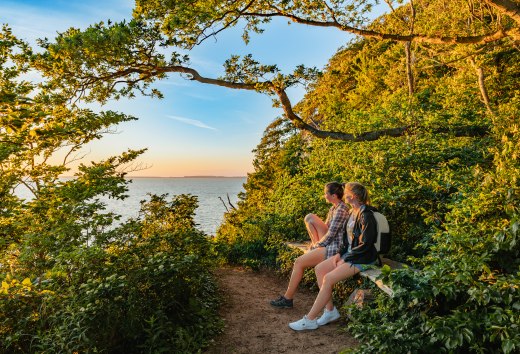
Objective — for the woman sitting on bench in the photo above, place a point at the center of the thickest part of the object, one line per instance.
(356, 254)
(326, 238)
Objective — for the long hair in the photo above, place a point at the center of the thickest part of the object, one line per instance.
(359, 191)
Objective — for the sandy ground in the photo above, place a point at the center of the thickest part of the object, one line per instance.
(253, 326)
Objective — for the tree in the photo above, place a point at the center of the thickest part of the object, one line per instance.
(119, 59)
(37, 124)
(195, 21)
(72, 278)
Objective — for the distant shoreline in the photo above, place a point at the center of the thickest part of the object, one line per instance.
(133, 177)
(187, 177)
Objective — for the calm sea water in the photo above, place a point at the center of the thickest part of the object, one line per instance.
(208, 190)
(210, 212)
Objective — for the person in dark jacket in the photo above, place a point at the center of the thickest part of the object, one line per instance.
(356, 254)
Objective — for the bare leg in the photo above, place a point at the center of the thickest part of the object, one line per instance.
(321, 270)
(315, 227)
(309, 259)
(341, 272)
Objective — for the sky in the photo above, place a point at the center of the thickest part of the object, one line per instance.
(197, 129)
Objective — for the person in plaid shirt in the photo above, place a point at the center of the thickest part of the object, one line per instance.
(326, 240)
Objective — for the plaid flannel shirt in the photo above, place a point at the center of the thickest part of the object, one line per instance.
(336, 219)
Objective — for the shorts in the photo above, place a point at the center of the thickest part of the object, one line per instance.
(363, 267)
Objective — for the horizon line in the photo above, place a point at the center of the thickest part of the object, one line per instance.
(193, 176)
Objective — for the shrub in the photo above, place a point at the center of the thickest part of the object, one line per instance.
(149, 291)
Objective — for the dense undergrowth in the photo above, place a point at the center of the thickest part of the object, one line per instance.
(143, 286)
(452, 197)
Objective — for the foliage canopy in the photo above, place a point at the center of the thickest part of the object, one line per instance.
(108, 61)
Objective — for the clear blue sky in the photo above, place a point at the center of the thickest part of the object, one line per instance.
(196, 129)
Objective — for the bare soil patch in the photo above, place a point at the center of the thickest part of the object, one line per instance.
(253, 326)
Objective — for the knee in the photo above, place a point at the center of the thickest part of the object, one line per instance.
(318, 269)
(298, 263)
(309, 218)
(327, 281)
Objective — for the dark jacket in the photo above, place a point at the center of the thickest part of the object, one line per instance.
(363, 250)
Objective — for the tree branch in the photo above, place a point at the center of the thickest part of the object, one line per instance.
(408, 51)
(229, 202)
(272, 88)
(372, 135)
(231, 23)
(485, 38)
(507, 7)
(482, 86)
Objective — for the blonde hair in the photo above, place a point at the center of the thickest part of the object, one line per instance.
(359, 191)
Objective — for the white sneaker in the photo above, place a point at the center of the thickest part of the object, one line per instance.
(328, 316)
(304, 324)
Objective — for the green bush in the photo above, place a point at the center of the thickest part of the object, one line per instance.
(151, 291)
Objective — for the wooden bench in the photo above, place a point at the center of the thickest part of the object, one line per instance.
(371, 274)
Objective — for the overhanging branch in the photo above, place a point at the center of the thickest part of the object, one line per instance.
(460, 131)
(507, 7)
(271, 88)
(480, 39)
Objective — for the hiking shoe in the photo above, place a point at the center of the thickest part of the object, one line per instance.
(304, 324)
(328, 316)
(282, 303)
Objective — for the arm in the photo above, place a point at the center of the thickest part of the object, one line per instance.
(336, 226)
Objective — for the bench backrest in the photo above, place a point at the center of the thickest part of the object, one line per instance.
(383, 233)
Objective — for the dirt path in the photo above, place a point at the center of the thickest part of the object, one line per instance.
(252, 326)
